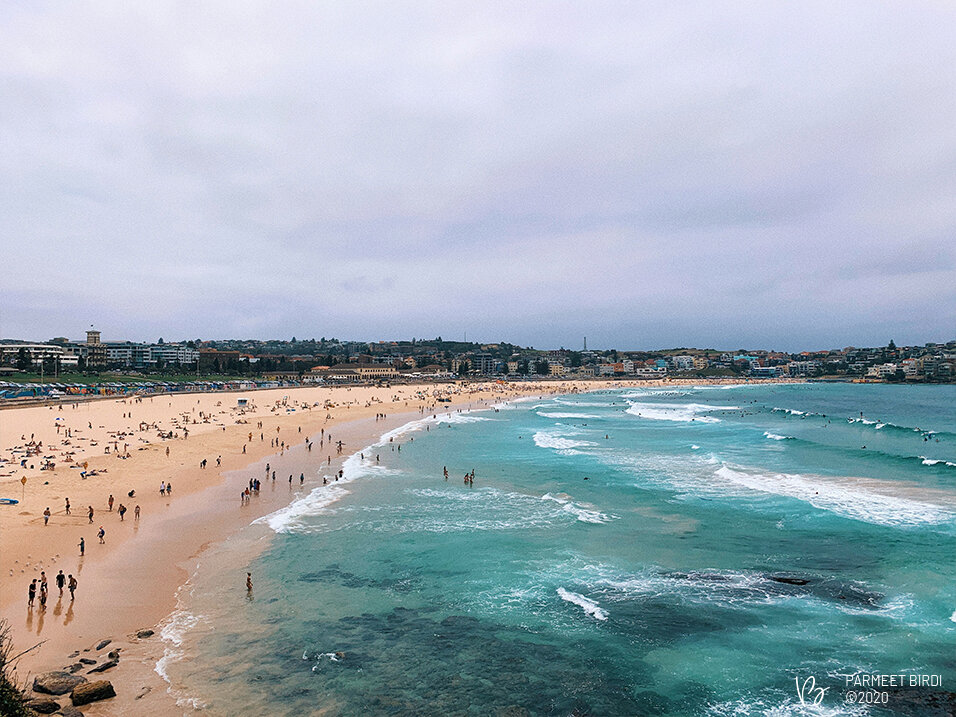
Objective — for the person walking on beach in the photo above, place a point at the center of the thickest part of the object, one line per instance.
(162, 488)
(110, 501)
(67, 506)
(122, 511)
(60, 580)
(101, 534)
(90, 514)
(32, 593)
(43, 594)
(249, 582)
(71, 585)
(82, 547)
(136, 513)
(46, 515)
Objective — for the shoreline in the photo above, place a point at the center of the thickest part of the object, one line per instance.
(130, 583)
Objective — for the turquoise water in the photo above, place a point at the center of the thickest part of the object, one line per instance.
(679, 551)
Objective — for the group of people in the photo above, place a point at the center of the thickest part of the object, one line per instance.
(469, 477)
(67, 581)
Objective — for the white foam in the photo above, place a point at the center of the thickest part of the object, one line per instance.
(567, 415)
(561, 443)
(845, 498)
(589, 606)
(783, 707)
(585, 515)
(172, 632)
(287, 519)
(777, 437)
(936, 461)
(682, 412)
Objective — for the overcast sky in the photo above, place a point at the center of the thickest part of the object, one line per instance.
(768, 175)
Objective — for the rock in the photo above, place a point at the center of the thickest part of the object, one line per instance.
(68, 712)
(74, 653)
(87, 660)
(143, 692)
(92, 692)
(113, 654)
(103, 644)
(108, 665)
(75, 667)
(43, 705)
(143, 634)
(56, 683)
(789, 581)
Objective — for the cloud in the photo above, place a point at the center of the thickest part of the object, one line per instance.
(722, 173)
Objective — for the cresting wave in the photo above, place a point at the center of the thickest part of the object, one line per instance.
(291, 517)
(777, 437)
(843, 498)
(567, 415)
(585, 515)
(589, 606)
(682, 412)
(560, 443)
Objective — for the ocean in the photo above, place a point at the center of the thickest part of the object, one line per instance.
(679, 551)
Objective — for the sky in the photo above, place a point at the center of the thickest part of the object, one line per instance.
(728, 175)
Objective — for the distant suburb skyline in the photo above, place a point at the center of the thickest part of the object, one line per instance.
(723, 175)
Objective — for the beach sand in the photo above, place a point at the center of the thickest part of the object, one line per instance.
(130, 582)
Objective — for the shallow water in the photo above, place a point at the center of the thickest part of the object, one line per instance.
(619, 553)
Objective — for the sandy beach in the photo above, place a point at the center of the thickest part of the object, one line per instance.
(129, 582)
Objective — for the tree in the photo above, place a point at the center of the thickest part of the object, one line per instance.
(523, 367)
(542, 368)
(24, 360)
(160, 342)
(575, 359)
(463, 368)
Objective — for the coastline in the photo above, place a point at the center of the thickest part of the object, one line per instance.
(130, 583)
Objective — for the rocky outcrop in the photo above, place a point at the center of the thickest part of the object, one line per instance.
(92, 692)
(108, 665)
(43, 705)
(56, 683)
(87, 661)
(786, 580)
(143, 634)
(68, 712)
(102, 644)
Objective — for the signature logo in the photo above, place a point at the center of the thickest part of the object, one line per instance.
(807, 691)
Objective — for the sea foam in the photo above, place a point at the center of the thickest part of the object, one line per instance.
(682, 412)
(589, 606)
(849, 500)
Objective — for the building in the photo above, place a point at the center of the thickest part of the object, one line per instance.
(483, 363)
(93, 351)
(37, 354)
